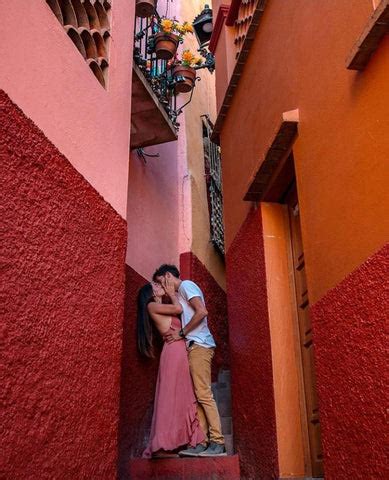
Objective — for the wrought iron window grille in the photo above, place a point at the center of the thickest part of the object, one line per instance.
(213, 175)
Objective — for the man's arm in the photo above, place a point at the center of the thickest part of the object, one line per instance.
(200, 313)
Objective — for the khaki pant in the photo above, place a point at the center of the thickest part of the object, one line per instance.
(200, 361)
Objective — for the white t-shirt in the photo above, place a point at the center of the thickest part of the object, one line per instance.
(201, 334)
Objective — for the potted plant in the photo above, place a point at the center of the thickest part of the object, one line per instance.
(170, 35)
(145, 8)
(184, 72)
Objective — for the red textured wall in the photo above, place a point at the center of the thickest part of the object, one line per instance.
(251, 365)
(138, 381)
(352, 374)
(63, 281)
(216, 301)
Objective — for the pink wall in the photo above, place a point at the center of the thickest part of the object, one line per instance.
(48, 79)
(159, 199)
(153, 210)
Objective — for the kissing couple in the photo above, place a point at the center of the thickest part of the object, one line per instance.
(185, 418)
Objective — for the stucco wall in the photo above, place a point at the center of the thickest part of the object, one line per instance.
(351, 366)
(63, 285)
(138, 379)
(253, 409)
(203, 102)
(43, 73)
(158, 199)
(153, 212)
(297, 60)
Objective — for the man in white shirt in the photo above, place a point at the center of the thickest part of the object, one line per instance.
(201, 349)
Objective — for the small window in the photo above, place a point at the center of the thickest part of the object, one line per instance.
(88, 25)
(213, 175)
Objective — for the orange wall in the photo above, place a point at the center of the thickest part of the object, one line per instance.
(298, 61)
(288, 390)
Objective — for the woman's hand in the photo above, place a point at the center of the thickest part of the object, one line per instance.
(168, 286)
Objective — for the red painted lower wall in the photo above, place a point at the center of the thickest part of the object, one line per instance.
(216, 302)
(250, 350)
(352, 374)
(63, 287)
(138, 381)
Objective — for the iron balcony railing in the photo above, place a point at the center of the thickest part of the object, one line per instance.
(156, 71)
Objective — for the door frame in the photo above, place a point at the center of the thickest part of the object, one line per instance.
(298, 352)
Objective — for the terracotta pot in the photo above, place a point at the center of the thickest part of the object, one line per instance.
(145, 8)
(166, 45)
(189, 75)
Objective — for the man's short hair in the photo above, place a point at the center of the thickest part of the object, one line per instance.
(165, 268)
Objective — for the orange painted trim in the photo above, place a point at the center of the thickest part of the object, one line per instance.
(219, 22)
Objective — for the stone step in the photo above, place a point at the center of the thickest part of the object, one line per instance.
(224, 376)
(229, 443)
(224, 402)
(211, 468)
(226, 425)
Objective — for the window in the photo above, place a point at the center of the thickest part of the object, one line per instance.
(213, 176)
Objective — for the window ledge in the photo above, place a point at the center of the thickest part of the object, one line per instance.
(376, 28)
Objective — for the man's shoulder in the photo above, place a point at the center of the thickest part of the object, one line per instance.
(189, 286)
(188, 283)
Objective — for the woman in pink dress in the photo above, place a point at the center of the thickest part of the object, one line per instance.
(175, 421)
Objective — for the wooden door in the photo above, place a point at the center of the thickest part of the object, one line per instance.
(305, 331)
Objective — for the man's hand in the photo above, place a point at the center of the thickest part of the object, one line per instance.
(172, 336)
(168, 286)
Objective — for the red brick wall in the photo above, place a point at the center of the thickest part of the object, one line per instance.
(352, 374)
(216, 301)
(63, 282)
(251, 365)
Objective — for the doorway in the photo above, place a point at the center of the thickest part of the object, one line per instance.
(283, 190)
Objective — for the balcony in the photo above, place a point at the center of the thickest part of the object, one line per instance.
(154, 104)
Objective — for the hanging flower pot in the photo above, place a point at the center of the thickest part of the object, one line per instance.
(145, 8)
(166, 45)
(187, 80)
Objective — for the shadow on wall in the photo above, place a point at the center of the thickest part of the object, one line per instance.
(216, 302)
(138, 378)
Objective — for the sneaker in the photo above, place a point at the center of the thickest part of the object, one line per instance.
(193, 451)
(214, 450)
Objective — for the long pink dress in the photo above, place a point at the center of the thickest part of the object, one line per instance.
(175, 421)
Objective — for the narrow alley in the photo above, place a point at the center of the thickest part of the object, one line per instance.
(238, 148)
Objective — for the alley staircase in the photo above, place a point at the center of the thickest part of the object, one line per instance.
(216, 468)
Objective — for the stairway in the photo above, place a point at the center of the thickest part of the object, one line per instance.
(216, 468)
(222, 394)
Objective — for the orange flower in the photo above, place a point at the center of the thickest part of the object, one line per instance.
(187, 56)
(167, 25)
(187, 27)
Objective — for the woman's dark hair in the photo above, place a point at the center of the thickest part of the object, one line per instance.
(144, 322)
(163, 269)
